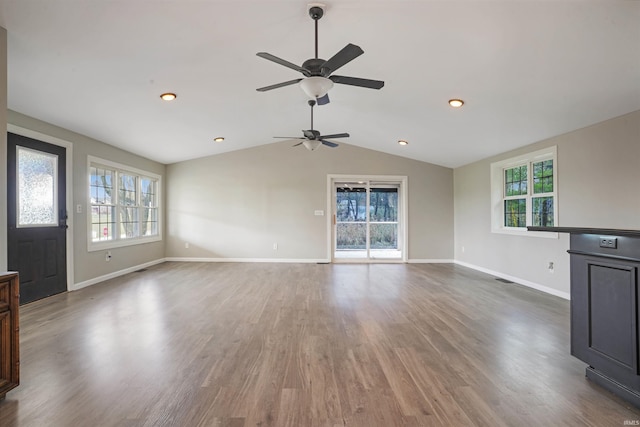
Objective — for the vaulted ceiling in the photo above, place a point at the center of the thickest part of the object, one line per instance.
(527, 70)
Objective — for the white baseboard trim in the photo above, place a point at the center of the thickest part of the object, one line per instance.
(430, 261)
(280, 260)
(519, 281)
(115, 274)
(523, 282)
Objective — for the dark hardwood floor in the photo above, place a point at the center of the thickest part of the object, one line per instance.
(238, 345)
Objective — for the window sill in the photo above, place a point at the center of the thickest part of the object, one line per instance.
(99, 246)
(525, 233)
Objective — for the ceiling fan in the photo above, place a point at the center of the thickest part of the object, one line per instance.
(318, 73)
(311, 138)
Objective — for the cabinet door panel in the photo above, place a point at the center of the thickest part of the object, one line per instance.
(604, 327)
(612, 313)
(9, 330)
(5, 349)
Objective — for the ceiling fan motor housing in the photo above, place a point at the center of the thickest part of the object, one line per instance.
(311, 134)
(314, 65)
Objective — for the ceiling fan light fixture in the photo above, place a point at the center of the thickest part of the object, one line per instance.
(168, 96)
(311, 144)
(316, 86)
(456, 103)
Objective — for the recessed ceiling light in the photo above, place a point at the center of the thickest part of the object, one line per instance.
(403, 142)
(456, 103)
(219, 139)
(168, 96)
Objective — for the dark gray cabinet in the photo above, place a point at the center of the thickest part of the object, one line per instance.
(605, 305)
(604, 310)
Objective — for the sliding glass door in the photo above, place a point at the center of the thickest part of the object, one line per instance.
(351, 221)
(367, 221)
(383, 222)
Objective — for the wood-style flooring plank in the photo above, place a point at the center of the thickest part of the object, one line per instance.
(303, 345)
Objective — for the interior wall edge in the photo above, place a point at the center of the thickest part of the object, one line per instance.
(115, 274)
(517, 280)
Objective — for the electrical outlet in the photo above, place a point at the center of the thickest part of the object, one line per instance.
(609, 242)
(107, 256)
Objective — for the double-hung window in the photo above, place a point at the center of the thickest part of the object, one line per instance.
(524, 192)
(124, 205)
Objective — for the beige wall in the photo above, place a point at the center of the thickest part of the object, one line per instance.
(91, 265)
(598, 175)
(236, 205)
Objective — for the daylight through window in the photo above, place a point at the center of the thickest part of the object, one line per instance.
(124, 205)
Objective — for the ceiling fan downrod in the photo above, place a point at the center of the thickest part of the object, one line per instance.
(316, 12)
(312, 102)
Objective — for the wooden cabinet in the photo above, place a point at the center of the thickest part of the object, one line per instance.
(9, 332)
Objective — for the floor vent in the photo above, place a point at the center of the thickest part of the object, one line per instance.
(503, 280)
(141, 270)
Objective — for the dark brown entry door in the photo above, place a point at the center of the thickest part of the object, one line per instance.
(37, 218)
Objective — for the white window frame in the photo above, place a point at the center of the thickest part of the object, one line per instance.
(403, 212)
(118, 242)
(498, 196)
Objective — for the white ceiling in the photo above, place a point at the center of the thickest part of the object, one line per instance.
(527, 70)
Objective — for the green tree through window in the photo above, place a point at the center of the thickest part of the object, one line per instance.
(525, 198)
